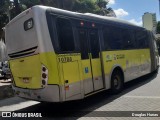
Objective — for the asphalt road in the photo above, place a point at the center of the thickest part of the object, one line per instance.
(142, 94)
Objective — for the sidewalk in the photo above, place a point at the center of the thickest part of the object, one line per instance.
(5, 89)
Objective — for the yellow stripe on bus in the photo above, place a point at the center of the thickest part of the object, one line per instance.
(70, 66)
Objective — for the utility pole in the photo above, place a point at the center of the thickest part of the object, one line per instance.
(8, 13)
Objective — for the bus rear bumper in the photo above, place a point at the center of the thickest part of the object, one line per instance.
(50, 93)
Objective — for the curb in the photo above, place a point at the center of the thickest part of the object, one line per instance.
(6, 91)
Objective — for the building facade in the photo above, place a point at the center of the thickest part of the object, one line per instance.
(149, 21)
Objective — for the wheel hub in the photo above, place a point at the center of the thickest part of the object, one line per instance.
(116, 83)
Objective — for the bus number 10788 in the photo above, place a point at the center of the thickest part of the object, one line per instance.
(65, 59)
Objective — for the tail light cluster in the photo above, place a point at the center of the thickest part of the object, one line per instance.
(44, 76)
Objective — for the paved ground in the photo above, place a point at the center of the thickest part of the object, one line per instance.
(5, 89)
(142, 94)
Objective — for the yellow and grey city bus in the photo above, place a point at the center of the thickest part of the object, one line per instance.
(57, 55)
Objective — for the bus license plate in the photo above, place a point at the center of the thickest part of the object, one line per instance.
(26, 80)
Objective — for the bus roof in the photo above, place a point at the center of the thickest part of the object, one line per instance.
(86, 16)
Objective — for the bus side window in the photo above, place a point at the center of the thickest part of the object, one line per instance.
(82, 35)
(106, 39)
(128, 39)
(94, 43)
(112, 38)
(65, 34)
(142, 39)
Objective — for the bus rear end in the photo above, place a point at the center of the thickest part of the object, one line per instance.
(30, 74)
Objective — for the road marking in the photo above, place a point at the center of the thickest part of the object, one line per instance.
(155, 97)
(15, 103)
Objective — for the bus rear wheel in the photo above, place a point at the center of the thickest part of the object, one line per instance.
(116, 82)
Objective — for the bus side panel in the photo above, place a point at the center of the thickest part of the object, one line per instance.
(69, 67)
(134, 63)
(87, 76)
(137, 63)
(49, 60)
(145, 60)
(110, 61)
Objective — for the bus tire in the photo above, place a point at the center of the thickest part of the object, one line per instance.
(117, 82)
(157, 69)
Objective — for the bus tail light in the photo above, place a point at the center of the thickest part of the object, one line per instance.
(44, 69)
(44, 75)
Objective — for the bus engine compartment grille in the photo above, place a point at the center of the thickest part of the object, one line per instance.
(23, 52)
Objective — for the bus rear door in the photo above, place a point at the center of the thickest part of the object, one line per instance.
(91, 60)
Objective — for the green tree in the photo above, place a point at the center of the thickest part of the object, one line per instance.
(11, 8)
(102, 3)
(92, 6)
(17, 7)
(84, 6)
(4, 15)
(30, 3)
(158, 27)
(68, 4)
